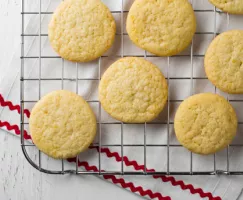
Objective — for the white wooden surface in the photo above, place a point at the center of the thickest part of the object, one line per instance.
(19, 180)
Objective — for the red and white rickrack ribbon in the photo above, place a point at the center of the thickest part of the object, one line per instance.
(84, 164)
(118, 158)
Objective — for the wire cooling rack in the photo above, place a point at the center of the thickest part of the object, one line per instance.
(191, 54)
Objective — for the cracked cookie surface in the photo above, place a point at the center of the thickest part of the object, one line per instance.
(230, 6)
(62, 124)
(164, 27)
(133, 90)
(205, 123)
(224, 62)
(81, 30)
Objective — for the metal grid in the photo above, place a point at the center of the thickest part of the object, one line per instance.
(122, 145)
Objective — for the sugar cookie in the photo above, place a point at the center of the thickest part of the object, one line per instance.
(230, 6)
(224, 62)
(205, 123)
(81, 30)
(62, 124)
(164, 28)
(133, 90)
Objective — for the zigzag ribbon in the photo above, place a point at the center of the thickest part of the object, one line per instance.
(114, 179)
(12, 107)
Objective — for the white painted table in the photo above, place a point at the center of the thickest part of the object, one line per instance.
(20, 181)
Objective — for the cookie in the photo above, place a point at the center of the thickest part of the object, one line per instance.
(230, 6)
(133, 90)
(62, 124)
(224, 62)
(81, 30)
(164, 28)
(205, 123)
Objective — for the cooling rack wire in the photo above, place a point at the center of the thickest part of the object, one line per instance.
(99, 145)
